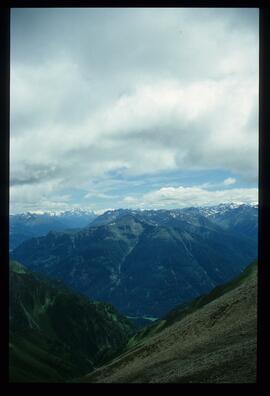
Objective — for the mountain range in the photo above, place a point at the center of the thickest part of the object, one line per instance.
(146, 262)
(29, 225)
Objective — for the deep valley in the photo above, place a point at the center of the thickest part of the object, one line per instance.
(137, 296)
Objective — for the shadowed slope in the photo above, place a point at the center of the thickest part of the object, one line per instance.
(56, 334)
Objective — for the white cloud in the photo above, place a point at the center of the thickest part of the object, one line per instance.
(229, 181)
(165, 126)
(101, 211)
(97, 194)
(43, 196)
(123, 91)
(177, 197)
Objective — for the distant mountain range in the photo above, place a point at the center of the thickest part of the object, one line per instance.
(56, 334)
(147, 262)
(239, 218)
(29, 225)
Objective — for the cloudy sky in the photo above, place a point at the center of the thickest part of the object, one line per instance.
(136, 108)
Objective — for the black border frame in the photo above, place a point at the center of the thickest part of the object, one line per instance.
(263, 351)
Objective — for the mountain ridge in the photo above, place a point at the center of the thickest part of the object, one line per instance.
(28, 225)
(146, 262)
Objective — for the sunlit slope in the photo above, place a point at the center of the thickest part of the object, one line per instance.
(212, 340)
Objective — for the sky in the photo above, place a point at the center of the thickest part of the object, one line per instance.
(133, 108)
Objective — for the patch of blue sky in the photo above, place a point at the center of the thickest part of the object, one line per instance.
(143, 183)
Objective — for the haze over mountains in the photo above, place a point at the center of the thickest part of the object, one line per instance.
(147, 262)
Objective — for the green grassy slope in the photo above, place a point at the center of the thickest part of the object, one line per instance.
(180, 312)
(211, 340)
(56, 334)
